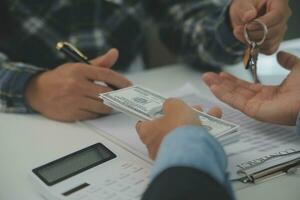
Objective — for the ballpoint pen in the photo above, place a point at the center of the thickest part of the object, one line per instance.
(76, 55)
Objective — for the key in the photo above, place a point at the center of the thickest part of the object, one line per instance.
(252, 64)
(251, 54)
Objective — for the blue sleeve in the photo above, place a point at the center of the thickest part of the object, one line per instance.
(192, 146)
(13, 80)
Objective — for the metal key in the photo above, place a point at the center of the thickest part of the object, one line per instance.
(251, 55)
(252, 61)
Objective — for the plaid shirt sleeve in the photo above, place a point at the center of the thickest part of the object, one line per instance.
(13, 79)
(198, 30)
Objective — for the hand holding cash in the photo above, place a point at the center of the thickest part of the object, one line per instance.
(144, 104)
(176, 114)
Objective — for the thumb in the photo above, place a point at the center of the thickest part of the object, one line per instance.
(249, 12)
(245, 11)
(287, 60)
(107, 60)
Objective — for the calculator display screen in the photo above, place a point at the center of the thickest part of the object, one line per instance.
(73, 164)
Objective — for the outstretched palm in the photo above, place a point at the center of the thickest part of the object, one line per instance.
(275, 104)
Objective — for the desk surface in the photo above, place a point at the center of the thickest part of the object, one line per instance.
(26, 140)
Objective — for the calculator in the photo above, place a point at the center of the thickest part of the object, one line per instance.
(92, 173)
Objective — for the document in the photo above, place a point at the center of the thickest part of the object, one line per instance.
(259, 146)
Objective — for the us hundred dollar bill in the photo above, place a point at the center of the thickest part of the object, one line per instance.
(144, 104)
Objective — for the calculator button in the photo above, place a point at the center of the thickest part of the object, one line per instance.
(144, 173)
(134, 180)
(108, 182)
(135, 169)
(105, 194)
(93, 189)
(123, 175)
(120, 187)
(126, 165)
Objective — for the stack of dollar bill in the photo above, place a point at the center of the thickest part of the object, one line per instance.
(144, 104)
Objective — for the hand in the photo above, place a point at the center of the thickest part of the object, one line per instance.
(273, 13)
(276, 104)
(176, 114)
(68, 92)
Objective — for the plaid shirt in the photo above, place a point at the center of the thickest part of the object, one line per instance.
(196, 30)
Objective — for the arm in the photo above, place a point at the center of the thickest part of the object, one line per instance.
(191, 162)
(66, 93)
(13, 79)
(197, 30)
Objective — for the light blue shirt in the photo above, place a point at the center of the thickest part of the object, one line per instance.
(192, 146)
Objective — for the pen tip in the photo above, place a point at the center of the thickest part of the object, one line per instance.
(59, 45)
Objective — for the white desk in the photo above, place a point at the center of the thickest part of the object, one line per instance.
(27, 140)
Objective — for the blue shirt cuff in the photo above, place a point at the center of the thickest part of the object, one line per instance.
(192, 146)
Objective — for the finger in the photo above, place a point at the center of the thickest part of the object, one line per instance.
(277, 14)
(106, 75)
(198, 107)
(244, 12)
(82, 114)
(173, 105)
(273, 32)
(215, 111)
(138, 126)
(270, 47)
(238, 32)
(229, 97)
(94, 106)
(236, 89)
(92, 90)
(144, 130)
(287, 60)
(251, 86)
(107, 60)
(211, 78)
(233, 93)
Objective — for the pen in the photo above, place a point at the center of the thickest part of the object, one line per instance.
(73, 53)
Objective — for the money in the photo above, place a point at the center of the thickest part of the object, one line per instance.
(144, 104)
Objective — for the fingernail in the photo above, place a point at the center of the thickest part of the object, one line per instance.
(249, 15)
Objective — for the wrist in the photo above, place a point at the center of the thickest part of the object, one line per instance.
(225, 34)
(31, 91)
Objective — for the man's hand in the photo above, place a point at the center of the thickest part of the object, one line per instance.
(69, 93)
(176, 114)
(273, 13)
(275, 104)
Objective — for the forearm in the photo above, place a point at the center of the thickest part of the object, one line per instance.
(13, 80)
(193, 147)
(199, 31)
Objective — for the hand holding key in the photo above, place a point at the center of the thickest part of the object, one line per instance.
(273, 13)
(251, 54)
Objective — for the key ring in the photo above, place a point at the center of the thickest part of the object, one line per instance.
(265, 29)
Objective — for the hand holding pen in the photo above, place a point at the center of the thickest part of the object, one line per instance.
(69, 92)
(77, 56)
